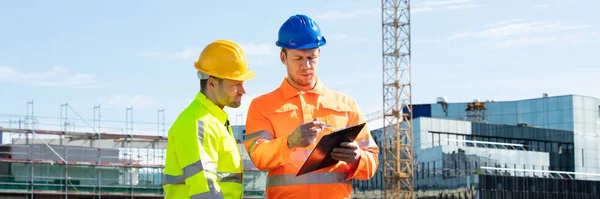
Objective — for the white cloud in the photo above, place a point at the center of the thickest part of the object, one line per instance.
(135, 101)
(421, 9)
(58, 76)
(517, 32)
(339, 15)
(184, 54)
(460, 66)
(260, 49)
(454, 7)
(543, 5)
(540, 40)
(429, 6)
(503, 22)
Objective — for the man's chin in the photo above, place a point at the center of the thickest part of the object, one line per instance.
(306, 82)
(234, 105)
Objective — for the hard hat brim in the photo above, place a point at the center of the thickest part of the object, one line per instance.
(305, 46)
(246, 76)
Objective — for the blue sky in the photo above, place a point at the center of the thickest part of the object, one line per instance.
(118, 54)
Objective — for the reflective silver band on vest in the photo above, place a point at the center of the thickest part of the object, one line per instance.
(261, 134)
(309, 178)
(212, 194)
(223, 177)
(212, 191)
(367, 143)
(189, 171)
(192, 169)
(170, 179)
(251, 148)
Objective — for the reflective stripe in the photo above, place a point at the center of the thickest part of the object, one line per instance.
(194, 168)
(170, 179)
(223, 177)
(251, 148)
(261, 134)
(230, 177)
(208, 195)
(188, 171)
(212, 191)
(367, 143)
(309, 178)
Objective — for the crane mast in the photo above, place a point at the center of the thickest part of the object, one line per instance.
(398, 148)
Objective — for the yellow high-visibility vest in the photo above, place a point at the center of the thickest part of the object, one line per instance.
(202, 158)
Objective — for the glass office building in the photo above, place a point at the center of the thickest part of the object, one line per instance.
(577, 114)
(461, 157)
(542, 148)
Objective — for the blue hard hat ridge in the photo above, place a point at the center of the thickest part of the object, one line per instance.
(300, 32)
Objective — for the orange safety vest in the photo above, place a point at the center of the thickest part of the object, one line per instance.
(272, 117)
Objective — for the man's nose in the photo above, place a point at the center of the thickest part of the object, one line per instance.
(242, 90)
(306, 63)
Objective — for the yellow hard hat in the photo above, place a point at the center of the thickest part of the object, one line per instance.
(224, 59)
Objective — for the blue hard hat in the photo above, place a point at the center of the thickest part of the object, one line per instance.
(300, 32)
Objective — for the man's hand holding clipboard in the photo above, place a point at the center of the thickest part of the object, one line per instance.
(349, 152)
(339, 145)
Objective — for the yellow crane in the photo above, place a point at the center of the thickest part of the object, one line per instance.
(398, 148)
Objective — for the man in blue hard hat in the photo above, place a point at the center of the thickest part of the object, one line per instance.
(283, 126)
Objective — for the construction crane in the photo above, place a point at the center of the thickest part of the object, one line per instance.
(374, 116)
(398, 149)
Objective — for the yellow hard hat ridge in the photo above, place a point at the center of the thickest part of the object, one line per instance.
(224, 59)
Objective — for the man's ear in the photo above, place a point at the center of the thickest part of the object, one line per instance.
(210, 82)
(282, 57)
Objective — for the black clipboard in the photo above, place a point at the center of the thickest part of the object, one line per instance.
(320, 156)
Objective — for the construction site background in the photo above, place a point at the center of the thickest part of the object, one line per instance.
(71, 156)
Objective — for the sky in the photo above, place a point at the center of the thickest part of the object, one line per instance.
(140, 54)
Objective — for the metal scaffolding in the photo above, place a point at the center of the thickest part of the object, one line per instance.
(59, 160)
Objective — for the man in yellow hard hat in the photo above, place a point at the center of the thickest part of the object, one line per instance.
(203, 159)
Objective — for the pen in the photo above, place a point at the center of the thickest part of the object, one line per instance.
(325, 125)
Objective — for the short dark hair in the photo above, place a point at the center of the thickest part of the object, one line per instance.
(284, 50)
(204, 82)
